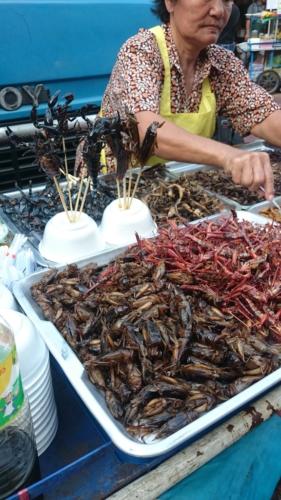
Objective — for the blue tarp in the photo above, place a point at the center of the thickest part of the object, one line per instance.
(248, 470)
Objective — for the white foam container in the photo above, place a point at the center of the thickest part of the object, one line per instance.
(7, 300)
(39, 391)
(64, 241)
(35, 371)
(174, 168)
(48, 407)
(43, 398)
(48, 427)
(47, 435)
(38, 382)
(95, 401)
(31, 349)
(119, 226)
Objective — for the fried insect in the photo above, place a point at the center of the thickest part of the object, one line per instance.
(177, 324)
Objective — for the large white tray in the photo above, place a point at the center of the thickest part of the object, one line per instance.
(94, 400)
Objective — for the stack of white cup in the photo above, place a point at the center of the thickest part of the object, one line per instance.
(36, 377)
(7, 300)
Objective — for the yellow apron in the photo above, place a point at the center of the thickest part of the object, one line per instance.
(203, 122)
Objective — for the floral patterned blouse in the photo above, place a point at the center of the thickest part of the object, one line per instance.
(138, 75)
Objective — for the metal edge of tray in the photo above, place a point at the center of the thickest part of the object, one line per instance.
(94, 399)
(5, 220)
(35, 238)
(235, 203)
(242, 215)
(86, 258)
(227, 201)
(177, 169)
(190, 169)
(255, 209)
(257, 145)
(29, 242)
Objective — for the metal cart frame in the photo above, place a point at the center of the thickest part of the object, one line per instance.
(270, 75)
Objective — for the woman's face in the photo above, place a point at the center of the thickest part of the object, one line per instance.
(199, 22)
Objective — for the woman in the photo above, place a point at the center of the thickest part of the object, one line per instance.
(176, 73)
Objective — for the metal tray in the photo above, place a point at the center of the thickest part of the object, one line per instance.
(34, 238)
(177, 169)
(255, 209)
(94, 400)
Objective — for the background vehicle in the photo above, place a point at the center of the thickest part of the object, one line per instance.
(57, 44)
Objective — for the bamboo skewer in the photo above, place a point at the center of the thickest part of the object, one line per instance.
(74, 180)
(135, 187)
(119, 193)
(130, 186)
(84, 196)
(61, 195)
(78, 196)
(66, 172)
(124, 193)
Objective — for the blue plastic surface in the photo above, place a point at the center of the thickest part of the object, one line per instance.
(81, 462)
(68, 45)
(248, 470)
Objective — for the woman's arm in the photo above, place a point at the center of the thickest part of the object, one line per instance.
(270, 129)
(250, 169)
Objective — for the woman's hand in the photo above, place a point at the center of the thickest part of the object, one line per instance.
(252, 170)
(249, 169)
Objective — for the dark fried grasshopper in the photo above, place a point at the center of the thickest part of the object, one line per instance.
(176, 325)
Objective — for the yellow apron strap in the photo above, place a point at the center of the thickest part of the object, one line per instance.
(103, 161)
(165, 100)
(205, 104)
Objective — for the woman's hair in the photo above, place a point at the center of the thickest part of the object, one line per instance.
(160, 10)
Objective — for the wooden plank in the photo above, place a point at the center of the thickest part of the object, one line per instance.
(181, 465)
